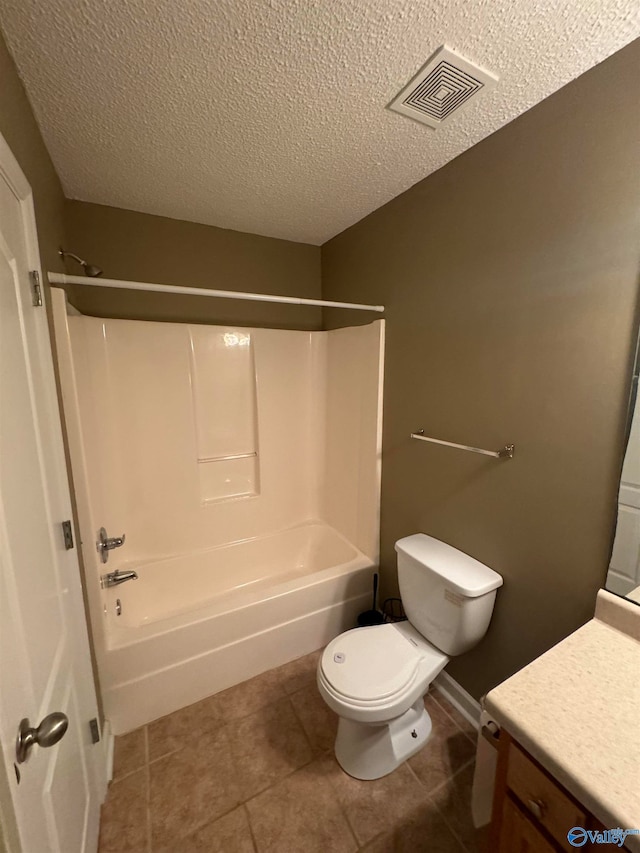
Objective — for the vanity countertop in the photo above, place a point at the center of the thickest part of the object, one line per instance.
(576, 710)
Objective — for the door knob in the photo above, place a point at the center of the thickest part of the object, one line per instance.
(48, 733)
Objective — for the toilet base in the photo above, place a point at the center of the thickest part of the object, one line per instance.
(372, 751)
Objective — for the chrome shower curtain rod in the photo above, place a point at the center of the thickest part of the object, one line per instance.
(58, 279)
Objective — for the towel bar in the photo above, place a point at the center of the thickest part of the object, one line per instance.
(505, 453)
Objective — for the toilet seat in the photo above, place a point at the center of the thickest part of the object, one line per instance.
(375, 674)
(370, 664)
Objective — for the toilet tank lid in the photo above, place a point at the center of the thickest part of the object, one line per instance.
(461, 572)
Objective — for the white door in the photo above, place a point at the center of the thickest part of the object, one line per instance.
(44, 656)
(624, 569)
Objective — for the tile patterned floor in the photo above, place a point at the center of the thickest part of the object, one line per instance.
(262, 777)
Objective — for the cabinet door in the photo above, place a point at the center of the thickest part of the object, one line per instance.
(518, 834)
(542, 797)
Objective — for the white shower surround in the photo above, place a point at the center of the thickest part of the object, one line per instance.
(302, 550)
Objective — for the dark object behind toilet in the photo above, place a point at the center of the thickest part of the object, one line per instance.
(373, 616)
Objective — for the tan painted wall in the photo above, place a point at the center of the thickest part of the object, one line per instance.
(140, 247)
(510, 278)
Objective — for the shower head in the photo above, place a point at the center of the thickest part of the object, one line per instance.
(89, 269)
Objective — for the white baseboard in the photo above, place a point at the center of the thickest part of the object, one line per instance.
(459, 698)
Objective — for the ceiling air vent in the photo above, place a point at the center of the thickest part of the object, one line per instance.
(441, 88)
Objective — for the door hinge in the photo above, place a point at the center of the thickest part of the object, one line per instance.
(36, 290)
(95, 730)
(67, 534)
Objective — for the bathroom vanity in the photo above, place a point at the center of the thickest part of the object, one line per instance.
(569, 750)
(532, 811)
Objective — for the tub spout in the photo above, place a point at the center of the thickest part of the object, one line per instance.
(117, 577)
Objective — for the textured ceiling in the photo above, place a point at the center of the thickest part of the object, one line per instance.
(269, 116)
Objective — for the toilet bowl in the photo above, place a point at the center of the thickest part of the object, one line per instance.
(375, 678)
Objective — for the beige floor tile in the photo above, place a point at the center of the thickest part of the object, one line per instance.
(124, 824)
(299, 673)
(191, 788)
(250, 696)
(455, 715)
(378, 805)
(446, 752)
(299, 814)
(183, 728)
(130, 753)
(256, 742)
(422, 832)
(453, 800)
(318, 720)
(266, 747)
(228, 834)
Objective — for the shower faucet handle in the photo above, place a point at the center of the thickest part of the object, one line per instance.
(106, 543)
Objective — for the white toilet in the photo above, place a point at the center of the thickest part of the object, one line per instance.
(375, 678)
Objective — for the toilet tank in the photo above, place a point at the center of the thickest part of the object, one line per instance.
(447, 595)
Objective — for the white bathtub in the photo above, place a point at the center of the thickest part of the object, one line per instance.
(195, 624)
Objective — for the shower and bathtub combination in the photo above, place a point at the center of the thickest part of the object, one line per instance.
(236, 474)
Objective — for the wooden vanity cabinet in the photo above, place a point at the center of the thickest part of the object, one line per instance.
(532, 812)
(518, 834)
